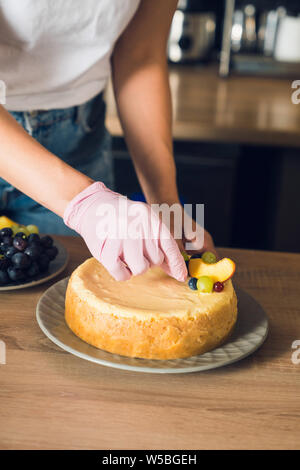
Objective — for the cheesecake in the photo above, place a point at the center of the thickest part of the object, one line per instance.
(149, 316)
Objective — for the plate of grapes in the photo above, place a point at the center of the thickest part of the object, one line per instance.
(28, 258)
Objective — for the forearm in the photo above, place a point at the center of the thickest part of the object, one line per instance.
(144, 106)
(35, 171)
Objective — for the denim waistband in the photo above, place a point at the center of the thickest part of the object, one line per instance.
(33, 119)
(77, 134)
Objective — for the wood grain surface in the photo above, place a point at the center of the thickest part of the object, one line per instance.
(239, 109)
(50, 399)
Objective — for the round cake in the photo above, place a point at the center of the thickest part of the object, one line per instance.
(149, 316)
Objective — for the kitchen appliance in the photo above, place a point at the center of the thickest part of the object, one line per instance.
(261, 38)
(192, 35)
(288, 40)
(268, 26)
(237, 30)
(249, 32)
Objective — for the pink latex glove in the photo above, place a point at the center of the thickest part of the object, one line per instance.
(123, 256)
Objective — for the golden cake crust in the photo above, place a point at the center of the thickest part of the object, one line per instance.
(150, 316)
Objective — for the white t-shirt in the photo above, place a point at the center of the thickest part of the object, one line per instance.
(56, 53)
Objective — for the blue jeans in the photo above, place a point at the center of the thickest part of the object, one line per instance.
(79, 137)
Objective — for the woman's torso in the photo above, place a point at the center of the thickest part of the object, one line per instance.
(56, 54)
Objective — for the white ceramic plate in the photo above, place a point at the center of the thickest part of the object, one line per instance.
(250, 332)
(55, 267)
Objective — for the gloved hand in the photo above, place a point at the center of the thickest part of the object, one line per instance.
(105, 219)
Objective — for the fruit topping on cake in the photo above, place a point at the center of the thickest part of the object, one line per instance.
(207, 274)
(218, 286)
(193, 283)
(205, 284)
(219, 272)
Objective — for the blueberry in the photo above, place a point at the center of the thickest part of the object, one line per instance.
(33, 270)
(33, 251)
(51, 252)
(47, 241)
(11, 250)
(6, 232)
(4, 279)
(4, 263)
(43, 262)
(34, 238)
(20, 260)
(15, 274)
(196, 255)
(20, 243)
(193, 283)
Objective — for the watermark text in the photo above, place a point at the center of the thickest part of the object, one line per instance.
(2, 353)
(2, 92)
(296, 354)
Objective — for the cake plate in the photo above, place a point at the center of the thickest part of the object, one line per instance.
(250, 332)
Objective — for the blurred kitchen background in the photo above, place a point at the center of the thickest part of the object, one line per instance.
(236, 130)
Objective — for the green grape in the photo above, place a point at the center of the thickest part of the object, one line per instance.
(205, 284)
(32, 229)
(185, 256)
(24, 230)
(209, 258)
(15, 229)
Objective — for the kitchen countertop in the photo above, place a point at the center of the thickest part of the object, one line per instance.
(249, 110)
(51, 399)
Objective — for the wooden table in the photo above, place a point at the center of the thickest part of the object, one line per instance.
(250, 110)
(51, 399)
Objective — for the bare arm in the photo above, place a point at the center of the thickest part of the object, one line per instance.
(142, 91)
(28, 166)
(141, 85)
